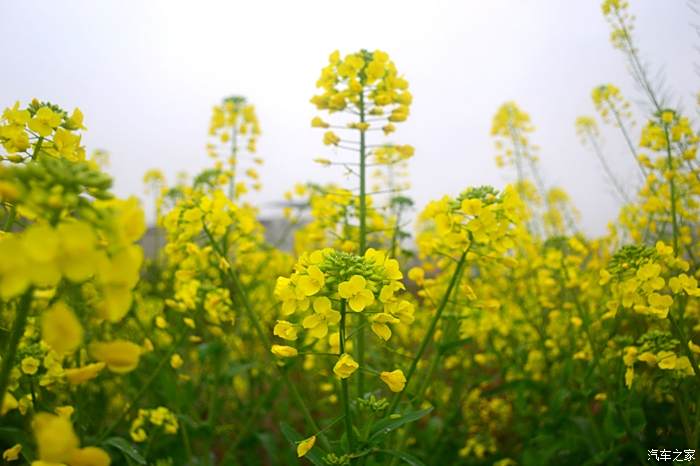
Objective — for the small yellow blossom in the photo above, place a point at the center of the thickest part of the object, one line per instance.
(30, 365)
(355, 291)
(345, 366)
(395, 380)
(284, 351)
(12, 453)
(120, 356)
(82, 374)
(176, 361)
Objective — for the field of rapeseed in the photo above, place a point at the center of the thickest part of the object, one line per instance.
(493, 332)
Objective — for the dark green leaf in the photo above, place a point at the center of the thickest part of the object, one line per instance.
(126, 448)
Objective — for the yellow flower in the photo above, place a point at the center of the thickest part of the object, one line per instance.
(61, 330)
(317, 122)
(345, 366)
(394, 379)
(667, 117)
(76, 119)
(82, 374)
(55, 438)
(322, 316)
(471, 207)
(330, 138)
(305, 445)
(44, 121)
(647, 357)
(286, 330)
(12, 454)
(120, 356)
(693, 347)
(131, 220)
(67, 144)
(90, 456)
(311, 283)
(65, 411)
(78, 259)
(380, 327)
(417, 274)
(42, 246)
(176, 361)
(355, 292)
(284, 351)
(30, 365)
(8, 404)
(666, 359)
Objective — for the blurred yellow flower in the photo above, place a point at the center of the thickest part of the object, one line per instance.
(120, 356)
(305, 445)
(60, 329)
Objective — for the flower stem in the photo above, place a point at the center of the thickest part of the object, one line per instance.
(344, 385)
(232, 165)
(672, 186)
(363, 240)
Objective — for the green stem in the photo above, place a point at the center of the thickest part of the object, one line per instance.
(431, 330)
(186, 441)
(672, 186)
(628, 140)
(233, 163)
(344, 385)
(428, 378)
(16, 333)
(37, 147)
(360, 338)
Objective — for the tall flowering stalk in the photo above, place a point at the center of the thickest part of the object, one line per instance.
(366, 89)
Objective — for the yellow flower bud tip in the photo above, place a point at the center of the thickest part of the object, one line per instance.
(305, 445)
(283, 351)
(12, 453)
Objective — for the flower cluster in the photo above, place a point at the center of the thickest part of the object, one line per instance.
(326, 280)
(159, 418)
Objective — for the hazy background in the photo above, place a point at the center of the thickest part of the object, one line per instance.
(146, 74)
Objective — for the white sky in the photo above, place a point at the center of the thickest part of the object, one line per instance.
(146, 74)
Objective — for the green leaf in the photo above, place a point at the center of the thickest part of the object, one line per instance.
(129, 451)
(294, 437)
(384, 426)
(402, 455)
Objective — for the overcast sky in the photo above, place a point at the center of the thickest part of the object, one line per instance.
(146, 74)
